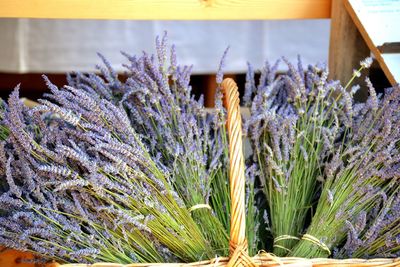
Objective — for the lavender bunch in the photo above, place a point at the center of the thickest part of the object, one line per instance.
(363, 169)
(188, 139)
(294, 123)
(83, 187)
(376, 234)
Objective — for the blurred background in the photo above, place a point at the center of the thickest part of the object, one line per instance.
(31, 47)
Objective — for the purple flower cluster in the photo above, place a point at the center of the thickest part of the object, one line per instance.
(292, 128)
(82, 186)
(376, 234)
(187, 138)
(109, 168)
(176, 127)
(313, 143)
(367, 170)
(371, 162)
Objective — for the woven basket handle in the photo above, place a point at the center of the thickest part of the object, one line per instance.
(238, 243)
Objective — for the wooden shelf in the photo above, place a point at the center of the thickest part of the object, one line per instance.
(167, 9)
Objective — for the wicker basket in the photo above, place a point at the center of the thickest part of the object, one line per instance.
(238, 255)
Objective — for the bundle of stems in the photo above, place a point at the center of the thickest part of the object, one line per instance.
(83, 187)
(119, 170)
(190, 140)
(376, 234)
(313, 144)
(293, 125)
(364, 168)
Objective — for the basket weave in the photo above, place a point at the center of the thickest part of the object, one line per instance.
(238, 252)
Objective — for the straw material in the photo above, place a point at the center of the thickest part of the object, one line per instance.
(238, 256)
(238, 244)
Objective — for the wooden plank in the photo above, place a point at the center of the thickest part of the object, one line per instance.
(167, 9)
(211, 87)
(346, 47)
(369, 42)
(14, 258)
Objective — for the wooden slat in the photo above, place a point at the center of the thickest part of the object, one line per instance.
(167, 9)
(347, 46)
(14, 258)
